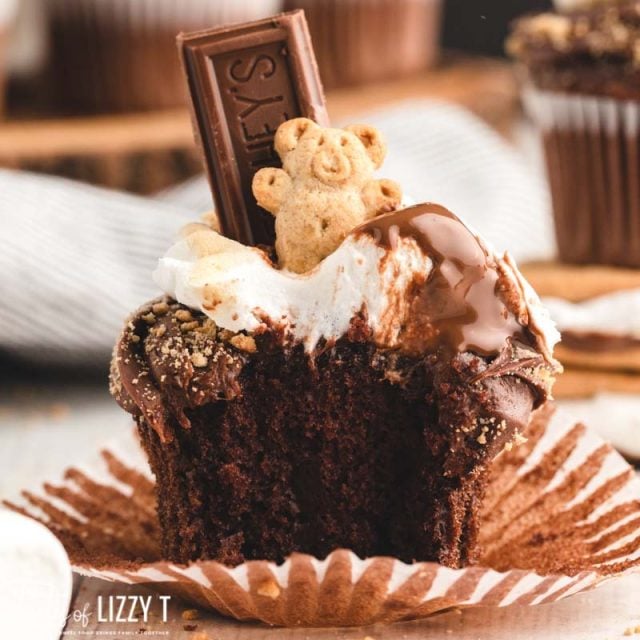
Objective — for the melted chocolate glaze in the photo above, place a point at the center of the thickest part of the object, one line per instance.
(461, 306)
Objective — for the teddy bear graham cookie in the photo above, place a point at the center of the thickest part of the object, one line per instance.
(324, 190)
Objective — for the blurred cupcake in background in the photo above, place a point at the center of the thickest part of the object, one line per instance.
(582, 71)
(120, 55)
(362, 41)
(8, 10)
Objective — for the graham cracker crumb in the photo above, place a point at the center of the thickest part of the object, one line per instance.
(160, 330)
(184, 315)
(630, 631)
(482, 439)
(189, 326)
(149, 318)
(190, 614)
(199, 359)
(269, 589)
(244, 343)
(519, 439)
(160, 308)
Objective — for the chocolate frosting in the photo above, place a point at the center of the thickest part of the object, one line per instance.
(466, 302)
(165, 366)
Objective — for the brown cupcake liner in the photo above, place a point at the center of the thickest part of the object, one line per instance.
(120, 55)
(561, 515)
(362, 41)
(3, 73)
(592, 149)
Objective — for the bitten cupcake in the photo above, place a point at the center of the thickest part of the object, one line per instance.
(352, 395)
(361, 41)
(582, 68)
(121, 56)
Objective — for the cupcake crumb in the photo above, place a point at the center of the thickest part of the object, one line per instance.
(269, 589)
(199, 359)
(184, 315)
(244, 343)
(160, 308)
(190, 614)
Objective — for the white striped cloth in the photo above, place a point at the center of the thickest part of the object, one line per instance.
(75, 260)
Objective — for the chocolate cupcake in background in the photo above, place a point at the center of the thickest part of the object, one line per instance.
(582, 72)
(120, 55)
(7, 14)
(362, 41)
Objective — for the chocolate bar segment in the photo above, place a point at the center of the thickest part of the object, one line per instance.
(245, 80)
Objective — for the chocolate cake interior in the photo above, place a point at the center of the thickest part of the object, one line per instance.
(357, 447)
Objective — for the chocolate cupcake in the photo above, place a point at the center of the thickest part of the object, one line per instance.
(582, 68)
(7, 14)
(121, 56)
(361, 41)
(352, 395)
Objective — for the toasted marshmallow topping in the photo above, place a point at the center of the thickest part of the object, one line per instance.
(240, 290)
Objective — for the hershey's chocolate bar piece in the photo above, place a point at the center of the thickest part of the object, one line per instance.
(245, 80)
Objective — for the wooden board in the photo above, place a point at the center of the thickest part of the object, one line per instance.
(150, 151)
(605, 613)
(576, 283)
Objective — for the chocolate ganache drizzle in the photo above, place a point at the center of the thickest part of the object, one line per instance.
(462, 304)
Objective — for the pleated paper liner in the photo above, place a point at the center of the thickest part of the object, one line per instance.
(562, 515)
(120, 55)
(592, 149)
(363, 41)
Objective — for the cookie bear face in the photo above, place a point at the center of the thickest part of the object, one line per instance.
(329, 156)
(324, 190)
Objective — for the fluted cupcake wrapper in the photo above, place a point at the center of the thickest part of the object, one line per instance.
(8, 10)
(592, 148)
(360, 41)
(120, 55)
(188, 14)
(3, 54)
(561, 515)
